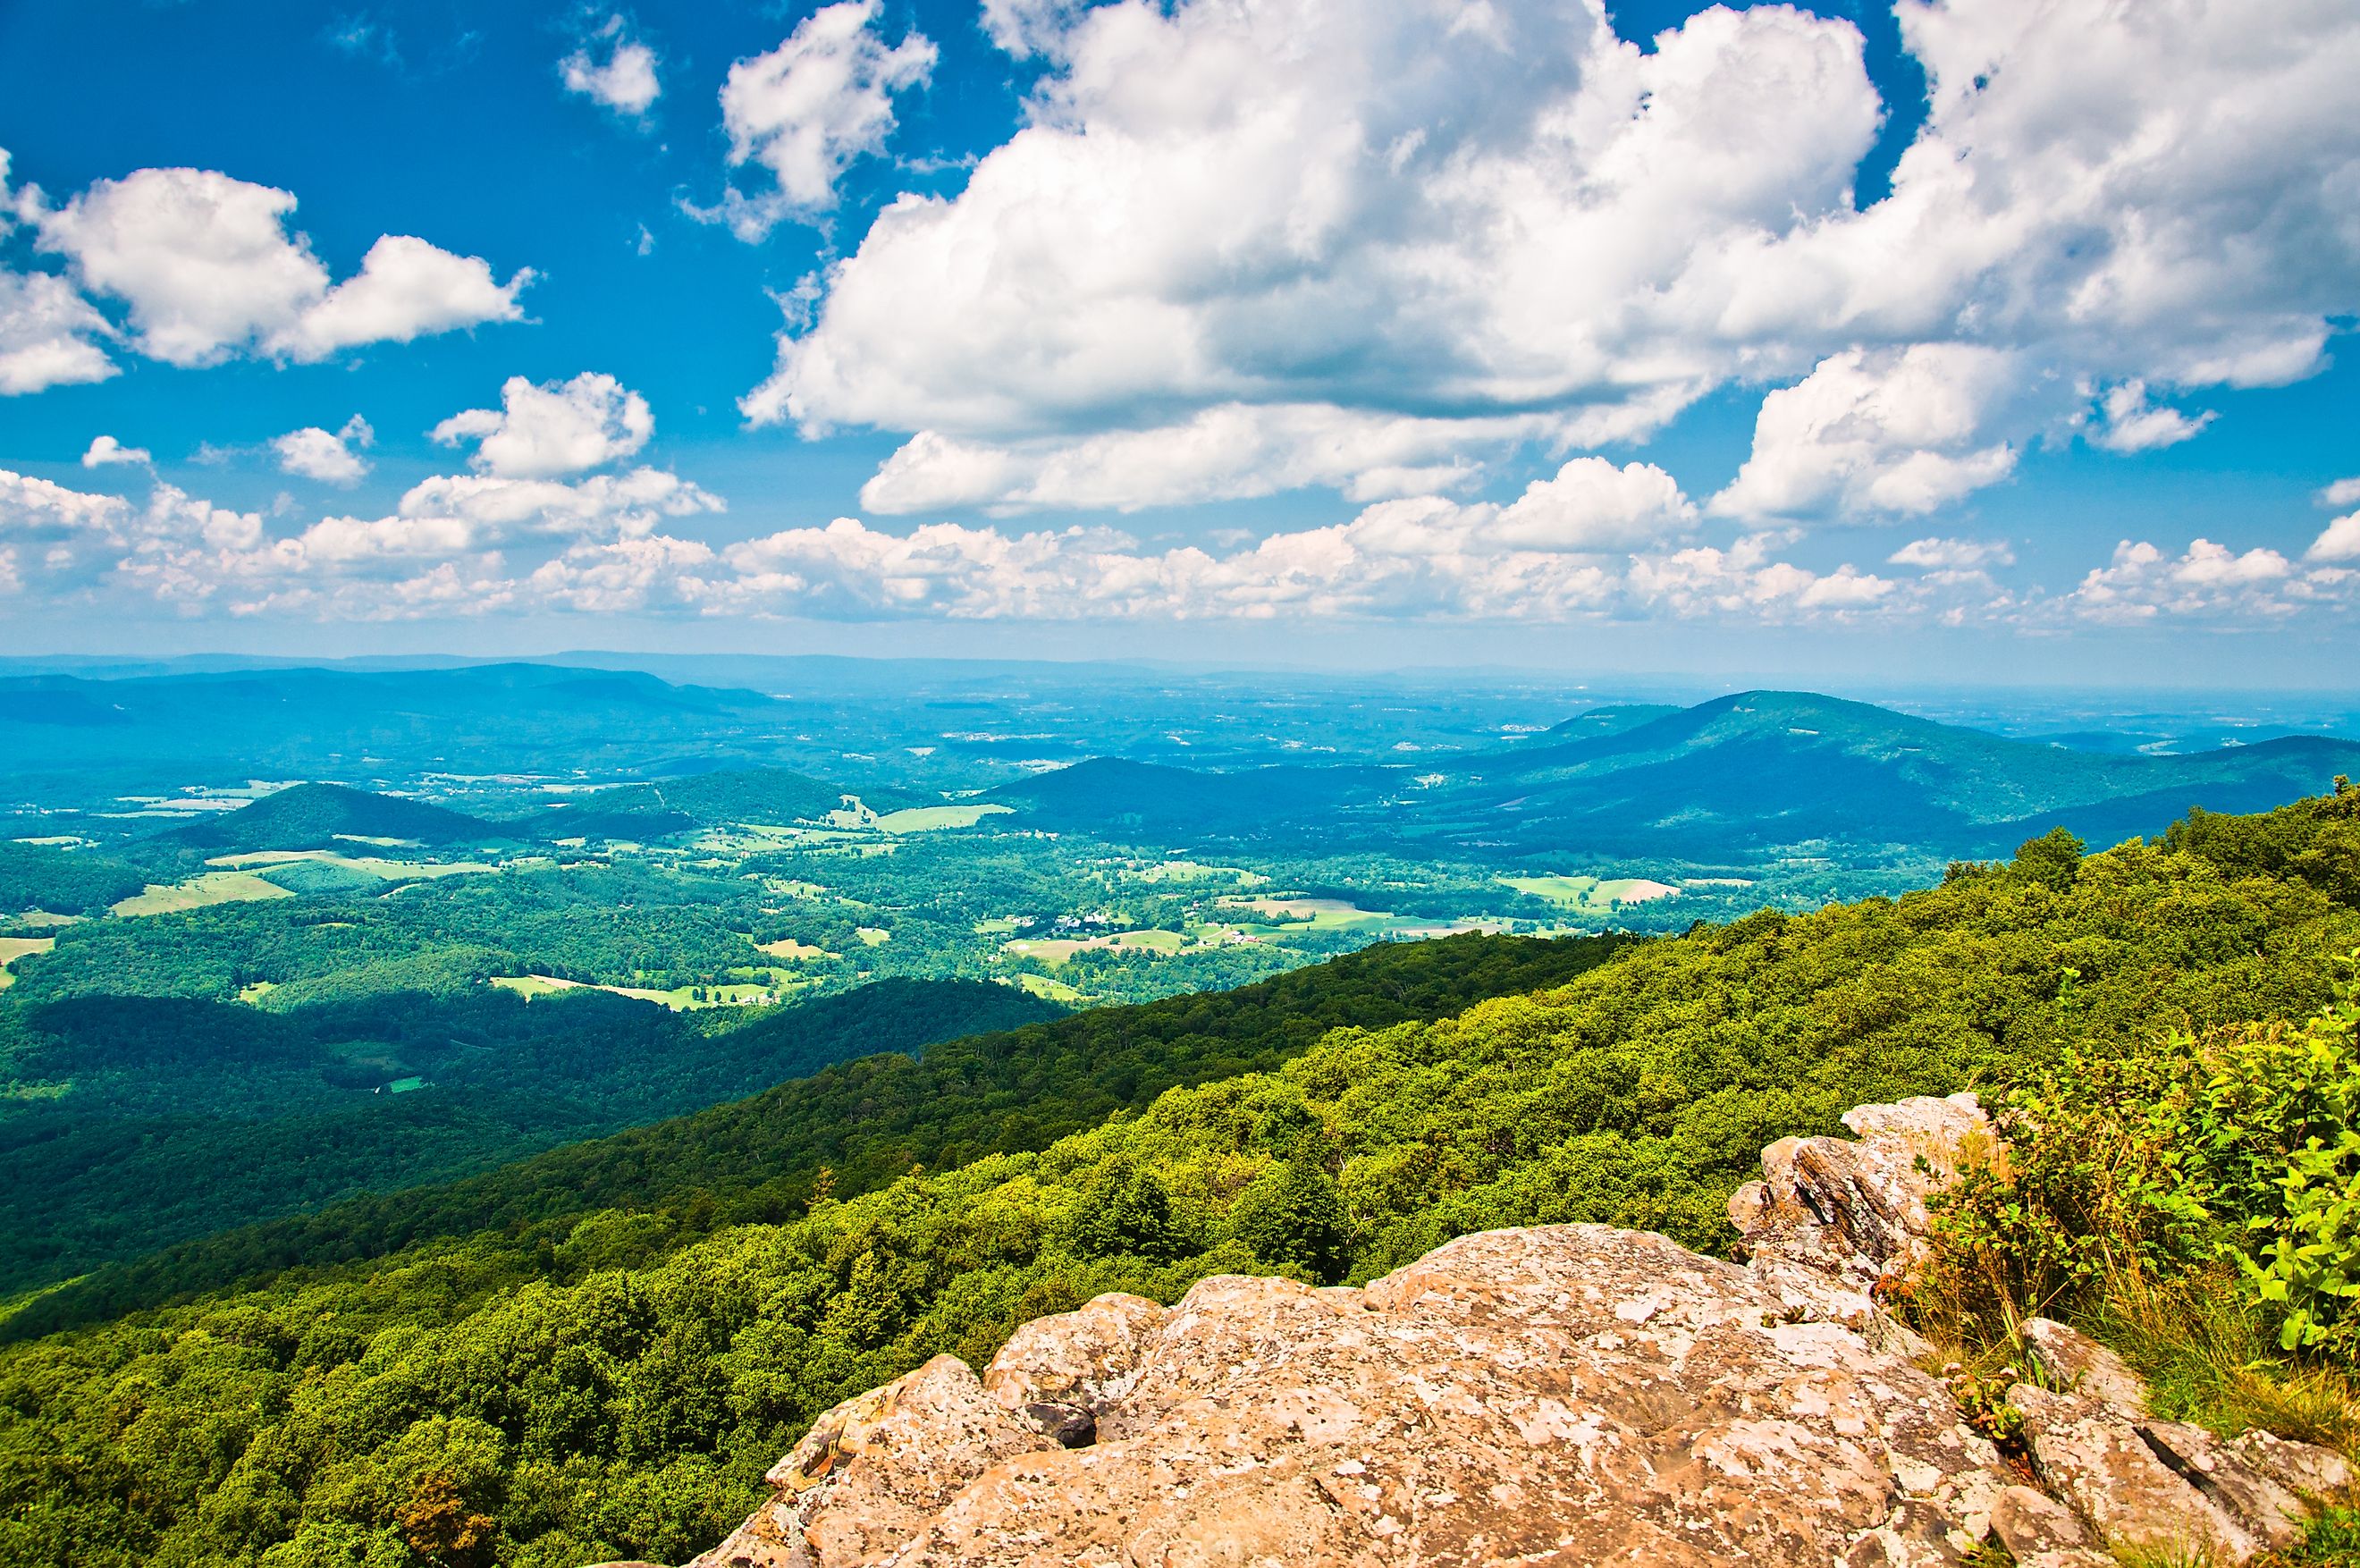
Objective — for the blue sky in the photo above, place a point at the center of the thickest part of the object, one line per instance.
(1982, 339)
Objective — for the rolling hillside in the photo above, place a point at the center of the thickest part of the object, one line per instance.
(939, 1095)
(319, 815)
(768, 796)
(1742, 776)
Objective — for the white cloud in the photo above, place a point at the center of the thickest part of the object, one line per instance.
(104, 451)
(558, 427)
(207, 268)
(2340, 541)
(627, 505)
(624, 81)
(1231, 452)
(2130, 422)
(811, 106)
(1029, 28)
(2341, 493)
(1440, 213)
(1953, 555)
(626, 574)
(333, 456)
(2209, 581)
(405, 289)
(50, 335)
(1890, 431)
(38, 508)
(1744, 580)
(1591, 505)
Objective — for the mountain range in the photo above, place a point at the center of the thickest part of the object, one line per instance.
(1747, 774)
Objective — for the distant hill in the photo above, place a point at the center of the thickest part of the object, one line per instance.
(704, 800)
(294, 722)
(322, 815)
(1737, 776)
(915, 1096)
(275, 1114)
(1611, 720)
(1108, 794)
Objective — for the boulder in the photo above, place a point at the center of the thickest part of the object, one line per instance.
(2300, 1467)
(1855, 1210)
(1565, 1391)
(1069, 1372)
(1562, 1393)
(2083, 1366)
(2087, 1454)
(2253, 1499)
(2026, 1523)
(873, 1469)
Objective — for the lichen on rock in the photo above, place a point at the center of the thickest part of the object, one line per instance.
(1557, 1393)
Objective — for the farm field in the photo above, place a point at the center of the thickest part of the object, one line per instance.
(15, 948)
(933, 818)
(197, 893)
(1597, 895)
(369, 865)
(679, 998)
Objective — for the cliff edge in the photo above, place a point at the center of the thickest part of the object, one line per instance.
(1569, 1394)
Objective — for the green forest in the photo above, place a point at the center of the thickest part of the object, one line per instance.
(560, 1387)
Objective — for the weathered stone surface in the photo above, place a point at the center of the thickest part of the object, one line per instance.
(872, 1470)
(1069, 1372)
(2028, 1523)
(2300, 1467)
(1573, 1392)
(1560, 1393)
(1854, 1211)
(2275, 1515)
(2084, 1366)
(2091, 1457)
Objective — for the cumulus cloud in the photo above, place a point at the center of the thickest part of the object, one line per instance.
(1455, 213)
(1889, 431)
(33, 508)
(2341, 493)
(49, 335)
(333, 456)
(105, 451)
(557, 427)
(625, 574)
(207, 268)
(623, 81)
(2128, 421)
(1953, 555)
(809, 107)
(2209, 582)
(627, 505)
(2340, 541)
(1232, 452)
(1029, 28)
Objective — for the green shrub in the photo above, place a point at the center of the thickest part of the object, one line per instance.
(2149, 1162)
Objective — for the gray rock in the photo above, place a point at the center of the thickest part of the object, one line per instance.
(2029, 1523)
(1567, 1393)
(2300, 1467)
(2084, 1366)
(2088, 1455)
(2251, 1495)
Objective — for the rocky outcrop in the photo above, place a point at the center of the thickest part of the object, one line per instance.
(1561, 1394)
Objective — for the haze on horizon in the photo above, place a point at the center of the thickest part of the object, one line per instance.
(1979, 340)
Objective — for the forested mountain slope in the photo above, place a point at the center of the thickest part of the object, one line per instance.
(868, 1120)
(297, 1114)
(1734, 778)
(319, 815)
(620, 1396)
